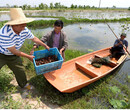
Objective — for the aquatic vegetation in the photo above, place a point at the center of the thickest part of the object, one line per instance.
(114, 89)
(118, 103)
(72, 21)
(90, 50)
(47, 23)
(125, 27)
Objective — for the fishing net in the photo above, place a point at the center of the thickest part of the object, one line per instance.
(98, 62)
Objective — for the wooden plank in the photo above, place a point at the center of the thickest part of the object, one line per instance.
(112, 63)
(98, 56)
(121, 59)
(85, 69)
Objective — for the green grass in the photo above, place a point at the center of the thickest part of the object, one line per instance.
(5, 78)
(47, 23)
(10, 103)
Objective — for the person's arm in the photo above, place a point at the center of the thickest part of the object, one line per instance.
(61, 50)
(117, 43)
(127, 49)
(32, 51)
(120, 43)
(19, 53)
(39, 42)
(43, 39)
(126, 44)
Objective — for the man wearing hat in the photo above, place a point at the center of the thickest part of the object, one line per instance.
(117, 50)
(12, 37)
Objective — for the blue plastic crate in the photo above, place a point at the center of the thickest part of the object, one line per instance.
(45, 68)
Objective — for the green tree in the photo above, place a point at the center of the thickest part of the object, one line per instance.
(15, 6)
(29, 6)
(7, 5)
(80, 6)
(88, 6)
(45, 6)
(20, 7)
(51, 6)
(72, 6)
(114, 7)
(41, 6)
(57, 5)
(24, 7)
(75, 6)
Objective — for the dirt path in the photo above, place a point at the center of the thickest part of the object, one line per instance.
(30, 97)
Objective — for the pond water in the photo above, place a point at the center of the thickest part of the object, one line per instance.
(90, 14)
(5, 16)
(90, 36)
(84, 14)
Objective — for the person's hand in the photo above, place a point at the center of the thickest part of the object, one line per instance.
(60, 51)
(120, 43)
(30, 57)
(47, 47)
(32, 51)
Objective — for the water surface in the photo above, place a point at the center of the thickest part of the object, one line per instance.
(89, 14)
(90, 36)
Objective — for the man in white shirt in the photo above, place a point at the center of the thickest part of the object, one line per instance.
(12, 36)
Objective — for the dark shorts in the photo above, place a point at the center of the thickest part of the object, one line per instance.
(117, 51)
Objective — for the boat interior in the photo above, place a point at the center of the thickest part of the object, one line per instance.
(78, 73)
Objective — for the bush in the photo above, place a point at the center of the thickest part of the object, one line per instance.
(5, 79)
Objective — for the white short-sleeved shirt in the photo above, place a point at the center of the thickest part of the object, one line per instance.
(8, 38)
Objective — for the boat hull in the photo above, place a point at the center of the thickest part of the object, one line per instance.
(77, 73)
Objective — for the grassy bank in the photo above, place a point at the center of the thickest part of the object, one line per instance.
(47, 23)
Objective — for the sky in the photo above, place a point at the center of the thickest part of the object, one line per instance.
(104, 3)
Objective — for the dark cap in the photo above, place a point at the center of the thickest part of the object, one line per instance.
(123, 34)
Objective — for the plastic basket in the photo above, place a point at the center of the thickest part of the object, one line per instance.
(45, 68)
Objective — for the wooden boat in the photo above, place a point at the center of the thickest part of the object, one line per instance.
(77, 73)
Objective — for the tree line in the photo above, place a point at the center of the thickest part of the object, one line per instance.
(56, 5)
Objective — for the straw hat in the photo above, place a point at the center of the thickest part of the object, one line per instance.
(18, 17)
